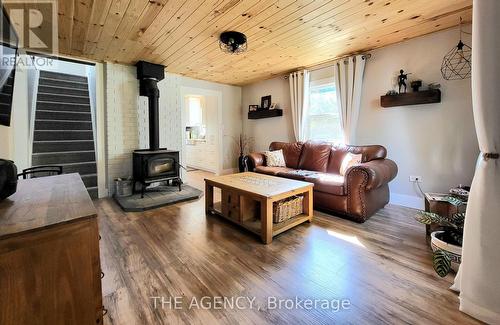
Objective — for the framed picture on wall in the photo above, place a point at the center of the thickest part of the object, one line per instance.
(265, 102)
(253, 108)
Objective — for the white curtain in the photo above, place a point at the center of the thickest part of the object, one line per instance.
(479, 276)
(299, 93)
(349, 81)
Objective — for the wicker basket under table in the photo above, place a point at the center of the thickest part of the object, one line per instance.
(287, 208)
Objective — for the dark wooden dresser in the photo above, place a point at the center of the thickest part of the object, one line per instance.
(49, 254)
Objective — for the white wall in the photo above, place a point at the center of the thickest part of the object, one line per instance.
(127, 117)
(122, 123)
(5, 142)
(60, 66)
(435, 141)
(265, 131)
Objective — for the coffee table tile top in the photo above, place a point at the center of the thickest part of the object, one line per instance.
(265, 186)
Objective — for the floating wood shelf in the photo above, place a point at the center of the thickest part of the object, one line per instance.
(255, 115)
(415, 98)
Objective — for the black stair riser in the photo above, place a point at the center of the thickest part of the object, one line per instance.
(89, 181)
(48, 115)
(4, 119)
(63, 99)
(62, 76)
(5, 109)
(7, 89)
(63, 91)
(73, 157)
(93, 193)
(82, 169)
(63, 107)
(62, 83)
(62, 146)
(59, 125)
(62, 135)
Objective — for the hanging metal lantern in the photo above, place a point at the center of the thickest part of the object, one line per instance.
(457, 64)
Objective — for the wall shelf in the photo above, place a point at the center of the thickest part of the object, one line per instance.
(255, 115)
(414, 98)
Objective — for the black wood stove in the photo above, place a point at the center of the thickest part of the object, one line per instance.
(154, 164)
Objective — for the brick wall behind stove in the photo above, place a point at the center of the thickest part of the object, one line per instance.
(127, 119)
(122, 120)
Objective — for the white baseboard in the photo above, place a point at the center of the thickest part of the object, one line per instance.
(409, 201)
(104, 193)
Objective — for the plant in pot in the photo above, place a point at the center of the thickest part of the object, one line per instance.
(447, 242)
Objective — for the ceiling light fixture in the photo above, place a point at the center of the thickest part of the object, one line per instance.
(457, 64)
(233, 42)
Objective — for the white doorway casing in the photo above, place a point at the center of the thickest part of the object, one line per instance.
(191, 91)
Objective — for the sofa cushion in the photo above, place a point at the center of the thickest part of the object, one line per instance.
(297, 174)
(315, 156)
(338, 153)
(291, 152)
(327, 183)
(271, 170)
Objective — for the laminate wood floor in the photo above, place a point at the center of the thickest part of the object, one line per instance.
(381, 269)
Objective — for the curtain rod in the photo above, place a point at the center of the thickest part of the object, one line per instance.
(330, 63)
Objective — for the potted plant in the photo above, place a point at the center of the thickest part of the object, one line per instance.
(447, 242)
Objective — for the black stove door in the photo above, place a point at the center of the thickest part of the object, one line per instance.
(161, 166)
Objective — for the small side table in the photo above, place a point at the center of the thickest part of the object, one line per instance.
(435, 204)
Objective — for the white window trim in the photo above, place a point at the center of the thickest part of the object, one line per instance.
(322, 82)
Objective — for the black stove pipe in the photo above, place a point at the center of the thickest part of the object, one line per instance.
(149, 74)
(150, 89)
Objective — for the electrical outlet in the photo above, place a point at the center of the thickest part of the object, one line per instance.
(414, 179)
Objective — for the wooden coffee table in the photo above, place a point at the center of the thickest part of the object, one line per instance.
(247, 200)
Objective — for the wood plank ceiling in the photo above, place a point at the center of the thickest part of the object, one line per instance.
(283, 35)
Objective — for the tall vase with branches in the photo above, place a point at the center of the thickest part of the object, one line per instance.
(242, 145)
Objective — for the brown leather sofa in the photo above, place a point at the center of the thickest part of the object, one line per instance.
(357, 195)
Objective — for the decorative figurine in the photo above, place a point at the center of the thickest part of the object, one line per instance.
(415, 84)
(401, 80)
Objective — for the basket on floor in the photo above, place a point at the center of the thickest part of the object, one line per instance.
(288, 208)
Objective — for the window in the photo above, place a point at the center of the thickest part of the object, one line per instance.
(195, 111)
(195, 127)
(323, 116)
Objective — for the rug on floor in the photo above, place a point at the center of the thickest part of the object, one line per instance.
(157, 197)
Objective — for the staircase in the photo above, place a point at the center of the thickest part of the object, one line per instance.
(63, 127)
(5, 100)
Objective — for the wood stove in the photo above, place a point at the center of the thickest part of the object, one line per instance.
(154, 164)
(151, 166)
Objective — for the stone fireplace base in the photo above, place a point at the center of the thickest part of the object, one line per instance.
(157, 197)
